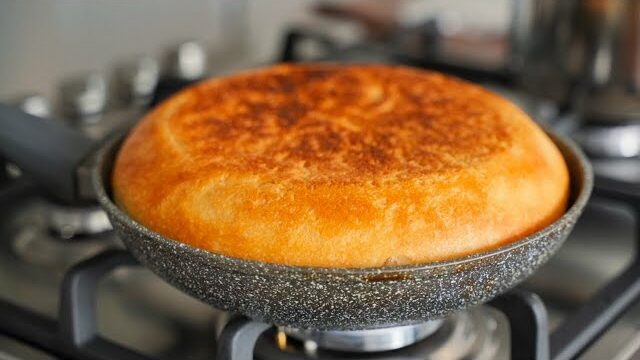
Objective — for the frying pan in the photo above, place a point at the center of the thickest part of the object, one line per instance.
(300, 297)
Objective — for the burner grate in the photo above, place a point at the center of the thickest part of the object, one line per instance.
(74, 335)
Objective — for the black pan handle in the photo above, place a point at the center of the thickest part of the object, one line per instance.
(46, 150)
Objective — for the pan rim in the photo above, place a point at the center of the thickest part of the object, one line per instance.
(253, 266)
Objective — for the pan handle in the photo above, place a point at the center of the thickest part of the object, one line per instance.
(46, 150)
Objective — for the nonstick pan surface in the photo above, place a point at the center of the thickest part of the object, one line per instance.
(334, 298)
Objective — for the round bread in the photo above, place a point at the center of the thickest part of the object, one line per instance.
(341, 166)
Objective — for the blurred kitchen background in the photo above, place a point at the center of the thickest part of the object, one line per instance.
(79, 59)
(46, 44)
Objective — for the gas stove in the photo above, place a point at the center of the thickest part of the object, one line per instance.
(69, 289)
(78, 294)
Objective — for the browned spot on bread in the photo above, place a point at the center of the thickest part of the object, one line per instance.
(346, 123)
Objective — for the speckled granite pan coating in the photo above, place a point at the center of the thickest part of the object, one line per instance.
(331, 298)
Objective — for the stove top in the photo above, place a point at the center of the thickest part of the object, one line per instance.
(81, 295)
(68, 289)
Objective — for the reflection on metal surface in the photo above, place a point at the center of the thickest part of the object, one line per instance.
(11, 349)
(477, 334)
(610, 141)
(34, 240)
(189, 61)
(138, 80)
(382, 339)
(35, 104)
(85, 97)
(281, 339)
(69, 222)
(625, 170)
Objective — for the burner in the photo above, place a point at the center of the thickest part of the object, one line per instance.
(72, 222)
(481, 333)
(382, 339)
(45, 234)
(614, 150)
(620, 141)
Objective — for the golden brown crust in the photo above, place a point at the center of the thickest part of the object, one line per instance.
(340, 166)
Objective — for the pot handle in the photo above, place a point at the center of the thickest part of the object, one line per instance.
(46, 150)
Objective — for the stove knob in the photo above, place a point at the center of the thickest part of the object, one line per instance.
(188, 61)
(84, 99)
(138, 80)
(187, 64)
(34, 104)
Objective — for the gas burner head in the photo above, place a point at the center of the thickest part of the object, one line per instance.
(619, 141)
(76, 222)
(480, 333)
(44, 234)
(382, 339)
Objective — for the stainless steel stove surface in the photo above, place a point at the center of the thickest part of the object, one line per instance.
(68, 289)
(137, 310)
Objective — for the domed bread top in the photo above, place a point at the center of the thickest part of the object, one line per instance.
(340, 166)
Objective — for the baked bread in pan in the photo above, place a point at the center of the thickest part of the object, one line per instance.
(341, 166)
